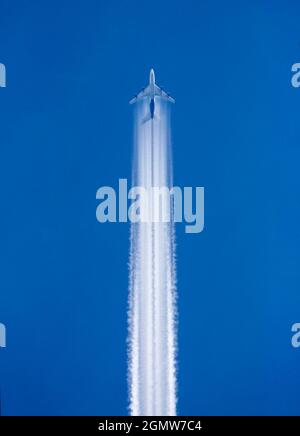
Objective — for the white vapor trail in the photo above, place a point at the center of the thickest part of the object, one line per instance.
(152, 287)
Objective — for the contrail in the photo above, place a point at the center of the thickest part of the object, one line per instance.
(152, 286)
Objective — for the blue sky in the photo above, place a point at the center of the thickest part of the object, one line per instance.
(66, 130)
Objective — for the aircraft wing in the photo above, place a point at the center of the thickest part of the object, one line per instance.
(144, 93)
(161, 93)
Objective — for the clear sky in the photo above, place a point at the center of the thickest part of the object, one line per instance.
(66, 130)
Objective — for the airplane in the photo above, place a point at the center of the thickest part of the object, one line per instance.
(152, 91)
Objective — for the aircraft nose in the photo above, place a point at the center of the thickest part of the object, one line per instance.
(152, 76)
